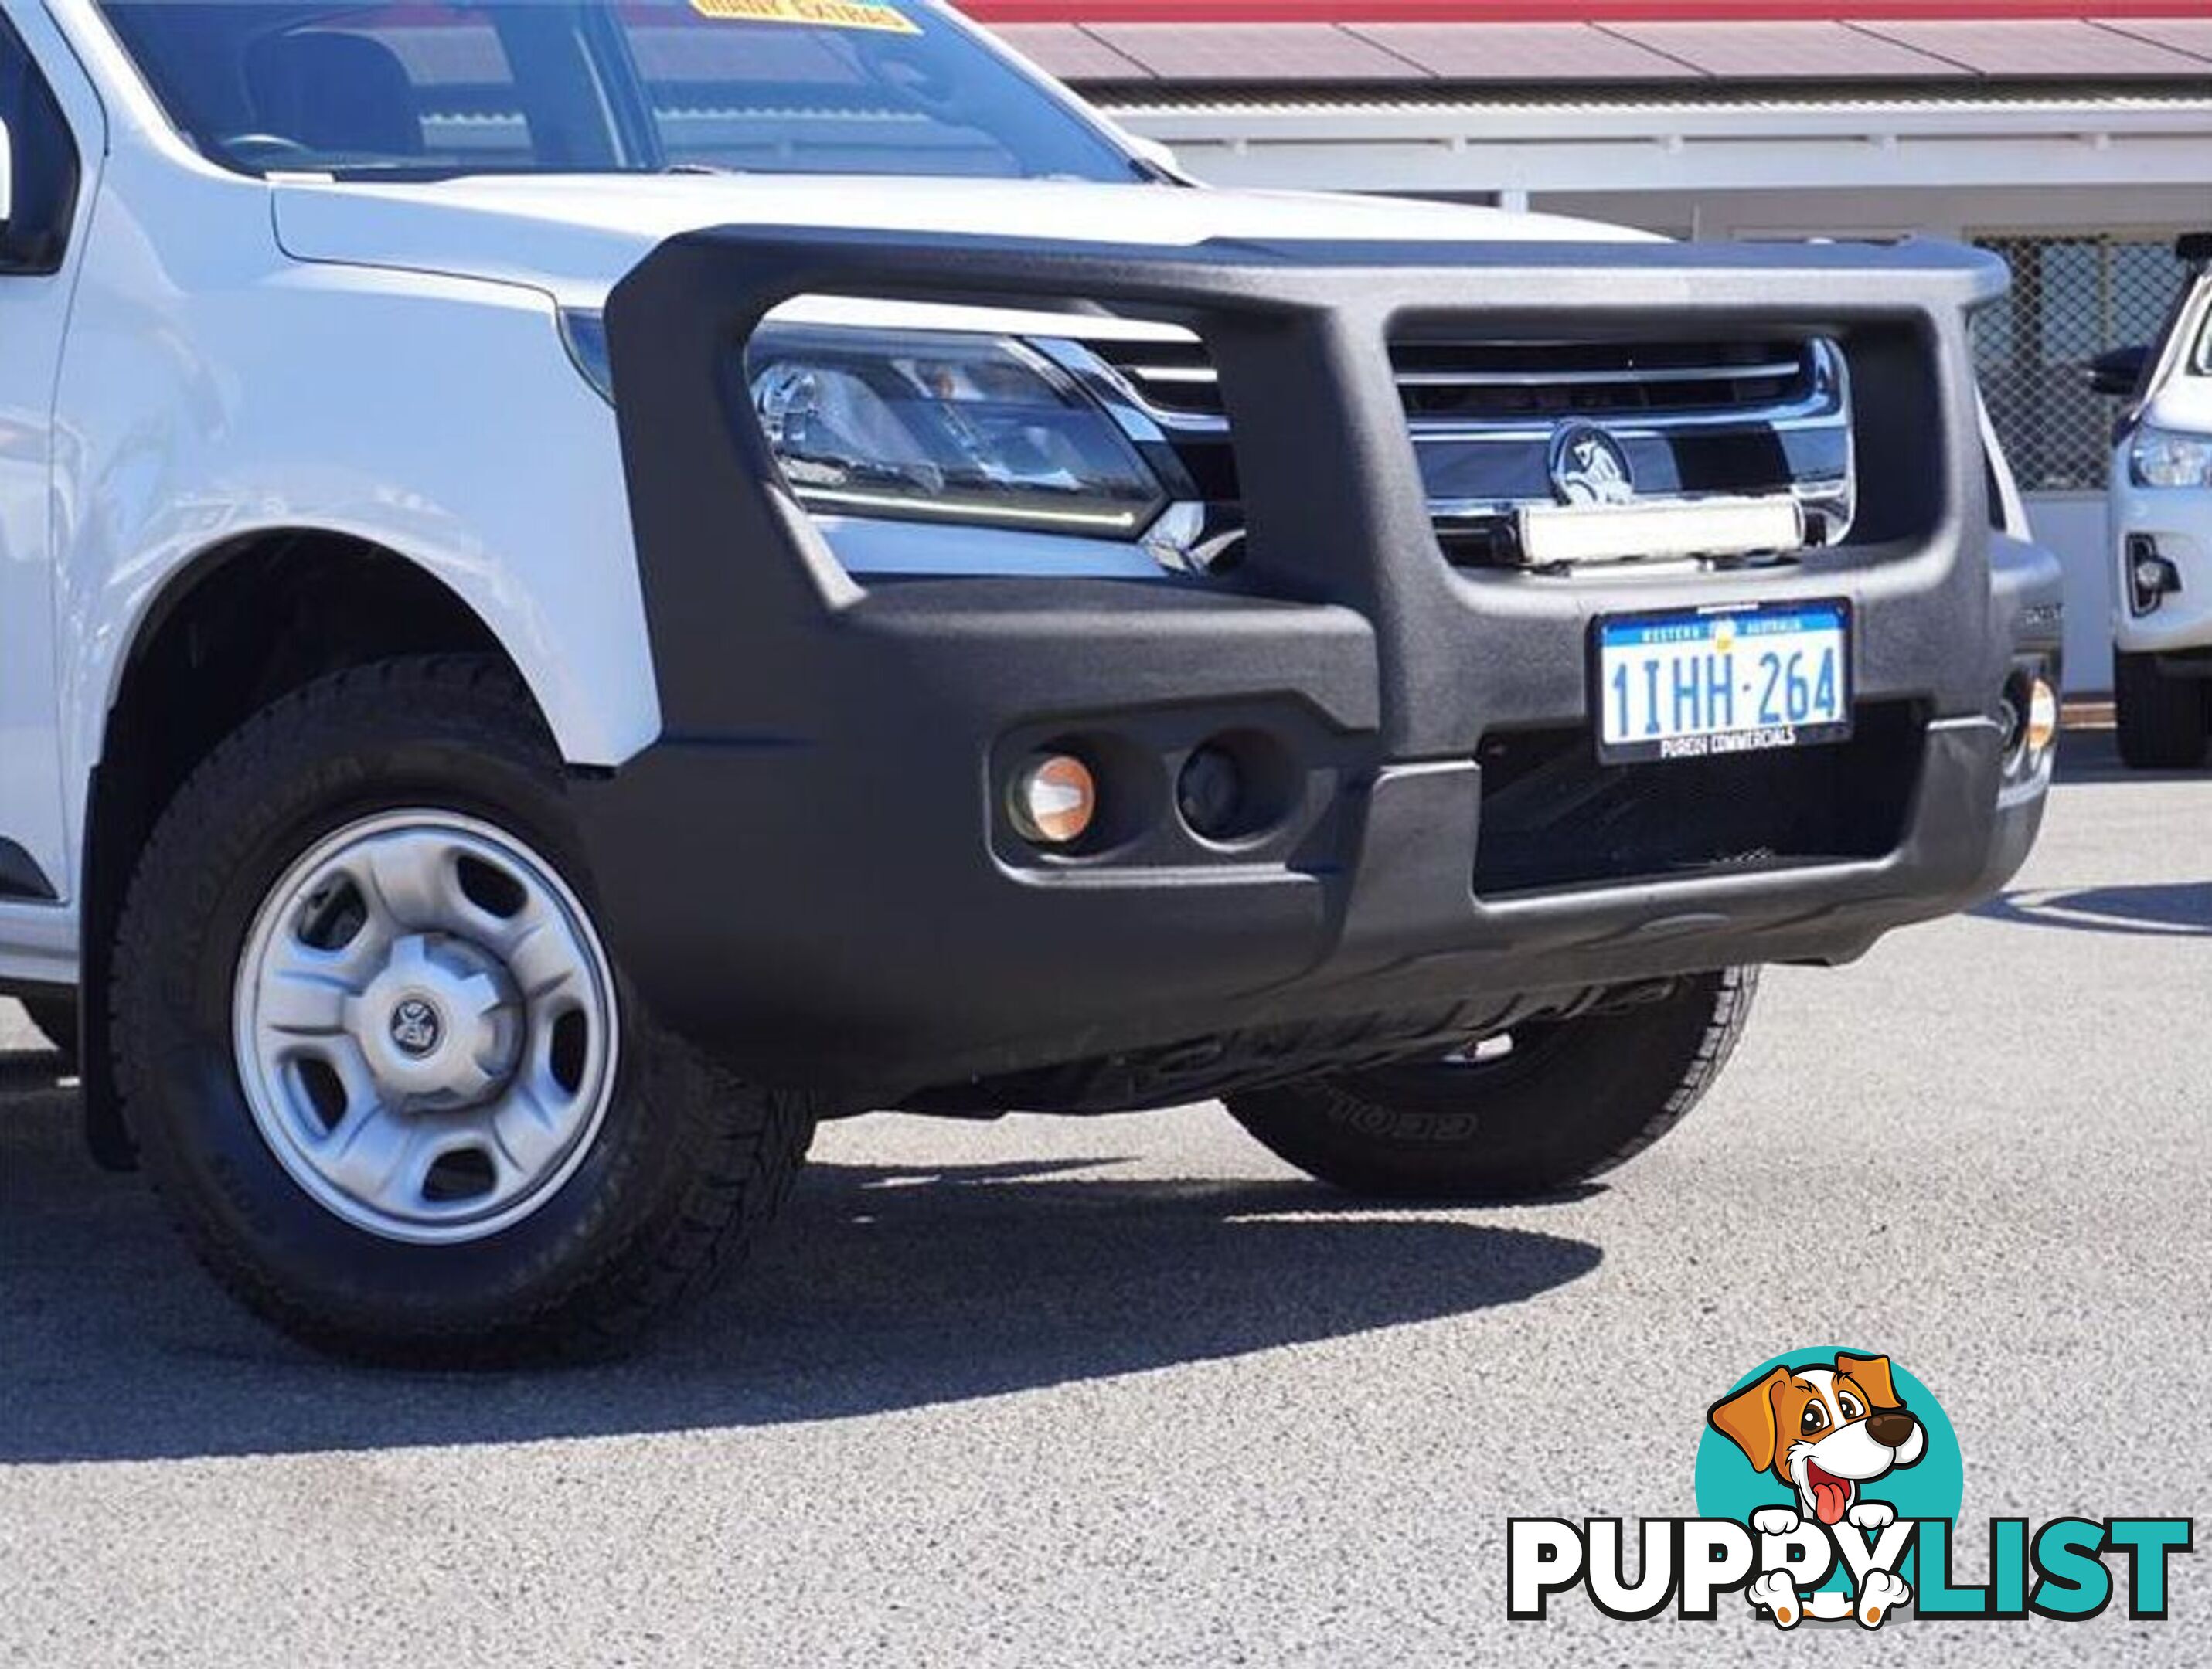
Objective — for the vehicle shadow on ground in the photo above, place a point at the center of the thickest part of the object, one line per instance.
(883, 1289)
(2182, 910)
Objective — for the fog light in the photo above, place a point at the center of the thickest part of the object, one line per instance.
(2151, 578)
(2042, 718)
(1053, 800)
(1210, 794)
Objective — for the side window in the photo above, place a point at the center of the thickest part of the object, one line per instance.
(46, 163)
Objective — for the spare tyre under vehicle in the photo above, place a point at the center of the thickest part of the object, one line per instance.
(379, 1063)
(1552, 1104)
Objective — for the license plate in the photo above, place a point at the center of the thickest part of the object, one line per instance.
(1720, 681)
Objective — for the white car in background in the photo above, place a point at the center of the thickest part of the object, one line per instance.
(2162, 531)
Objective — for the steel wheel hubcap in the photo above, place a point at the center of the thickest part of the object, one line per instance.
(425, 1028)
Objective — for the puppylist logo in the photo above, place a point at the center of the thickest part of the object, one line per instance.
(1828, 1488)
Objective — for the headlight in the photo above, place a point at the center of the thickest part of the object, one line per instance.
(2164, 458)
(937, 427)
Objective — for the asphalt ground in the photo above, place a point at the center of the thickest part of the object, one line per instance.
(1055, 1392)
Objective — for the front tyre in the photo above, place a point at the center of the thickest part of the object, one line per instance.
(1555, 1103)
(378, 1059)
(2163, 722)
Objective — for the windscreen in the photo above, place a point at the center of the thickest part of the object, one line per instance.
(432, 88)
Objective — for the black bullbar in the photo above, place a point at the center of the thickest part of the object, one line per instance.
(814, 870)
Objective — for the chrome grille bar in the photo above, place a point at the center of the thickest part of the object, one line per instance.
(1771, 371)
(1177, 378)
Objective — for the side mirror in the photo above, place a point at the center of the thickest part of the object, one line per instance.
(2119, 372)
(2193, 248)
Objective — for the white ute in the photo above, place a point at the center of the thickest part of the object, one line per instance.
(497, 739)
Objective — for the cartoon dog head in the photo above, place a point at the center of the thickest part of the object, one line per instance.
(1823, 1430)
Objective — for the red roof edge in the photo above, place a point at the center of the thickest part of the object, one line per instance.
(1560, 11)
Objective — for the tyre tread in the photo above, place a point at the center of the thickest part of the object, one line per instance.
(2164, 723)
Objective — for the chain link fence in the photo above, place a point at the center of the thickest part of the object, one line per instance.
(2072, 299)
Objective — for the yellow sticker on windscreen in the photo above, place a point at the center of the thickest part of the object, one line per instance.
(815, 14)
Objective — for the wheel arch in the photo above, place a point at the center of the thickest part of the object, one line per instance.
(239, 625)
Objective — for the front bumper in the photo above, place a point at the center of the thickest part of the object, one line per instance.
(2177, 524)
(812, 872)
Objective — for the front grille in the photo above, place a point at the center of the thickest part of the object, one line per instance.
(1446, 383)
(1491, 382)
(1552, 817)
(1693, 419)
